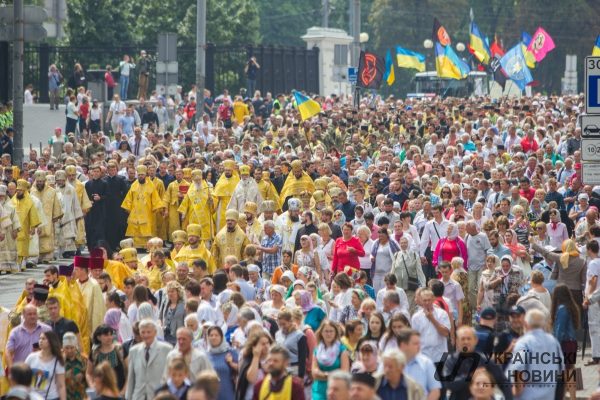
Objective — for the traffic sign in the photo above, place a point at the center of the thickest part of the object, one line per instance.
(590, 173)
(592, 85)
(352, 75)
(590, 126)
(31, 15)
(590, 149)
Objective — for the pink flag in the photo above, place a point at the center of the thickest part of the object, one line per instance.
(541, 44)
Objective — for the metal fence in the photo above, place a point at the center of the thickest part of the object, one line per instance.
(282, 68)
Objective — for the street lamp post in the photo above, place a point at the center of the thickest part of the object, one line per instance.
(428, 44)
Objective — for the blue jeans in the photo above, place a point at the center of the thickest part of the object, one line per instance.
(124, 85)
(251, 88)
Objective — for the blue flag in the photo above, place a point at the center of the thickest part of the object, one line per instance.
(525, 38)
(515, 66)
(389, 75)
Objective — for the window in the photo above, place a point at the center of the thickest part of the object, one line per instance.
(340, 56)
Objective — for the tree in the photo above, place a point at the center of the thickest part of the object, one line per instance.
(286, 22)
(99, 23)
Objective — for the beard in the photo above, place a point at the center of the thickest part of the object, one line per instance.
(20, 196)
(40, 187)
(276, 373)
(232, 229)
(142, 180)
(294, 218)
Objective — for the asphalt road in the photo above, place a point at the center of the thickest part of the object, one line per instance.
(12, 285)
(38, 125)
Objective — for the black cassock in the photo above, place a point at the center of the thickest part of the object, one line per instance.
(116, 223)
(95, 219)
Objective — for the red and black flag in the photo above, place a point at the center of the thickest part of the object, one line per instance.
(440, 35)
(371, 69)
(497, 71)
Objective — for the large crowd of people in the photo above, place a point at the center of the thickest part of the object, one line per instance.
(402, 249)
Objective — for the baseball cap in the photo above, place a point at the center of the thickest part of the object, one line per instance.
(517, 310)
(488, 313)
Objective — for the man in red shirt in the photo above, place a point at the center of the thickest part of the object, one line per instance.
(190, 112)
(225, 112)
(525, 189)
(528, 143)
(110, 82)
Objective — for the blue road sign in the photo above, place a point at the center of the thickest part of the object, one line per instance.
(352, 75)
(592, 85)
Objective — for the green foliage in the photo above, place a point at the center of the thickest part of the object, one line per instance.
(286, 21)
(98, 23)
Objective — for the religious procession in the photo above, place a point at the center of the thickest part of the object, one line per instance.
(301, 246)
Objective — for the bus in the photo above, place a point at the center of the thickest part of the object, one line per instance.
(428, 84)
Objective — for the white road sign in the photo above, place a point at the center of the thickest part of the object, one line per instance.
(590, 126)
(592, 85)
(591, 173)
(590, 149)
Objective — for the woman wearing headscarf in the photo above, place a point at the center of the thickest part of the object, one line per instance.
(485, 294)
(112, 318)
(146, 311)
(569, 267)
(408, 270)
(75, 366)
(230, 315)
(382, 258)
(519, 253)
(313, 315)
(224, 361)
(449, 247)
(351, 311)
(307, 256)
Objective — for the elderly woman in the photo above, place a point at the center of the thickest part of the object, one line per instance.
(449, 247)
(307, 256)
(518, 252)
(172, 311)
(75, 367)
(382, 258)
(408, 271)
(569, 267)
(346, 251)
(485, 295)
(313, 315)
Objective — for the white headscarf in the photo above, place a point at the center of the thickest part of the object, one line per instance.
(452, 231)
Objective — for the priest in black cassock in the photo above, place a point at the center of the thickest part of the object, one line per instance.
(116, 191)
(96, 218)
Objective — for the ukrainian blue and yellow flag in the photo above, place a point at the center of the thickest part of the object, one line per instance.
(596, 49)
(410, 59)
(389, 76)
(308, 107)
(448, 64)
(478, 45)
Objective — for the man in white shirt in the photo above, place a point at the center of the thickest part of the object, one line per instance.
(433, 324)
(390, 281)
(433, 231)
(138, 143)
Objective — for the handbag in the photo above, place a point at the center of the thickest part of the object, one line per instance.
(413, 282)
(51, 378)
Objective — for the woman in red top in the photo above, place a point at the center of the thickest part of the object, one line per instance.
(346, 251)
(449, 247)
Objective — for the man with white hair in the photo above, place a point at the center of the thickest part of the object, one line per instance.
(536, 353)
(196, 359)
(338, 385)
(66, 227)
(478, 247)
(147, 362)
(394, 383)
